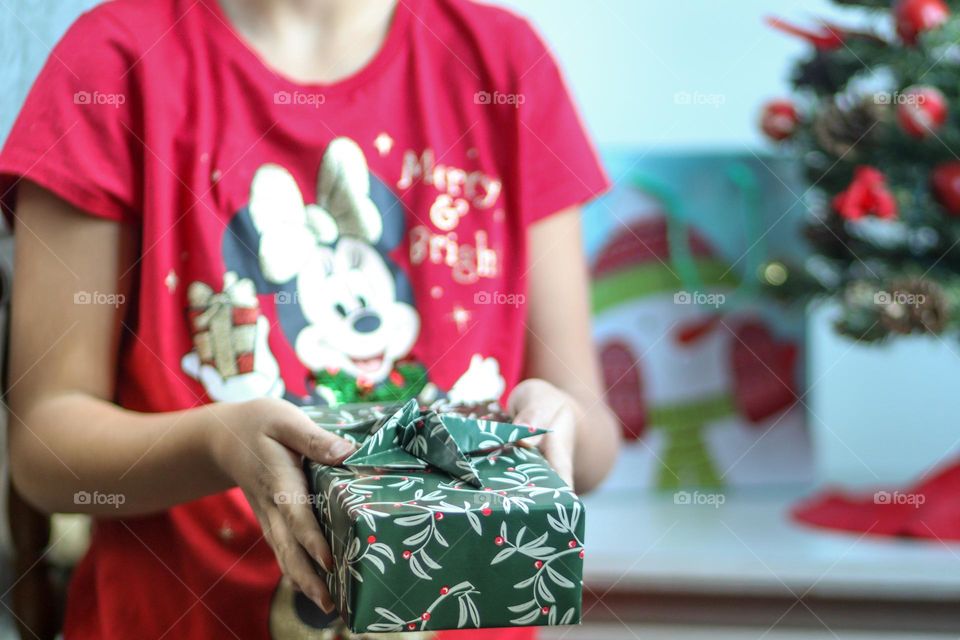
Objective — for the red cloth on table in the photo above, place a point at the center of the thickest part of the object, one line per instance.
(931, 509)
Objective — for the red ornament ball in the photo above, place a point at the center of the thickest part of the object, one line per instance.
(921, 110)
(945, 181)
(438, 515)
(486, 511)
(411, 626)
(371, 539)
(444, 590)
(538, 564)
(581, 554)
(779, 120)
(425, 616)
(498, 541)
(914, 17)
(572, 544)
(545, 610)
(406, 555)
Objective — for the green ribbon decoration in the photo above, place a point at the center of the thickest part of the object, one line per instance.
(414, 438)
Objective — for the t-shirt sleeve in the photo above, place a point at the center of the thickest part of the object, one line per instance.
(78, 131)
(558, 165)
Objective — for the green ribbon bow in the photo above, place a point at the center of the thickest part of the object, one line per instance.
(412, 438)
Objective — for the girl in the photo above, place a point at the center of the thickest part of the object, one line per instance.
(225, 208)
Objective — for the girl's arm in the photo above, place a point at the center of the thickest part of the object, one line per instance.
(564, 391)
(67, 439)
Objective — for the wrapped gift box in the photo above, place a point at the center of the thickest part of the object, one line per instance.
(441, 521)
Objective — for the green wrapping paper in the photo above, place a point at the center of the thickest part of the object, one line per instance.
(440, 521)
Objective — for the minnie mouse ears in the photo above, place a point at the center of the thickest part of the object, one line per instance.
(291, 231)
(343, 191)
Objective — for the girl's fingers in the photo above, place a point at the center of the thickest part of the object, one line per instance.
(300, 434)
(292, 501)
(295, 563)
(531, 409)
(560, 456)
(522, 396)
(532, 417)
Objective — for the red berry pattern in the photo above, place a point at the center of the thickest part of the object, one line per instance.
(498, 541)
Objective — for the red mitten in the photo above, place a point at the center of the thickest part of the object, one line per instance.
(764, 372)
(621, 375)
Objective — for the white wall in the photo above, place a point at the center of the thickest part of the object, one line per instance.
(28, 30)
(626, 61)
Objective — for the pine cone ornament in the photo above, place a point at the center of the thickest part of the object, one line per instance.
(841, 129)
(895, 316)
(828, 236)
(819, 73)
(914, 305)
(861, 318)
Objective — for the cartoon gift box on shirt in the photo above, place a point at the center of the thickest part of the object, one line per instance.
(343, 306)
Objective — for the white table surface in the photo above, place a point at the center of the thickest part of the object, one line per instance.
(748, 546)
(679, 632)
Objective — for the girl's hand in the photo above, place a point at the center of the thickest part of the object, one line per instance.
(537, 403)
(260, 451)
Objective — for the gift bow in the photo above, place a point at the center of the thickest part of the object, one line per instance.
(412, 438)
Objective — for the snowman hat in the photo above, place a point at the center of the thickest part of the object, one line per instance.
(638, 262)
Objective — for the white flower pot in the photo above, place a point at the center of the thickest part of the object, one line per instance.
(880, 414)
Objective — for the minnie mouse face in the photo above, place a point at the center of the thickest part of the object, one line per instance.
(355, 323)
(342, 305)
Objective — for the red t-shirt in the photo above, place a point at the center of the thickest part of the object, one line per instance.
(325, 243)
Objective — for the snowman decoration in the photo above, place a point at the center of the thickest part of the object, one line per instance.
(674, 362)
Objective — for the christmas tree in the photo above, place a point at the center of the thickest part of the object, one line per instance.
(875, 121)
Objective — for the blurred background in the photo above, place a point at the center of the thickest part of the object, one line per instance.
(774, 298)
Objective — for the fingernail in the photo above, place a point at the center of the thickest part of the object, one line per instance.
(325, 562)
(326, 606)
(340, 448)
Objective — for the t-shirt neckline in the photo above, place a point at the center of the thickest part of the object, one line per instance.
(235, 41)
